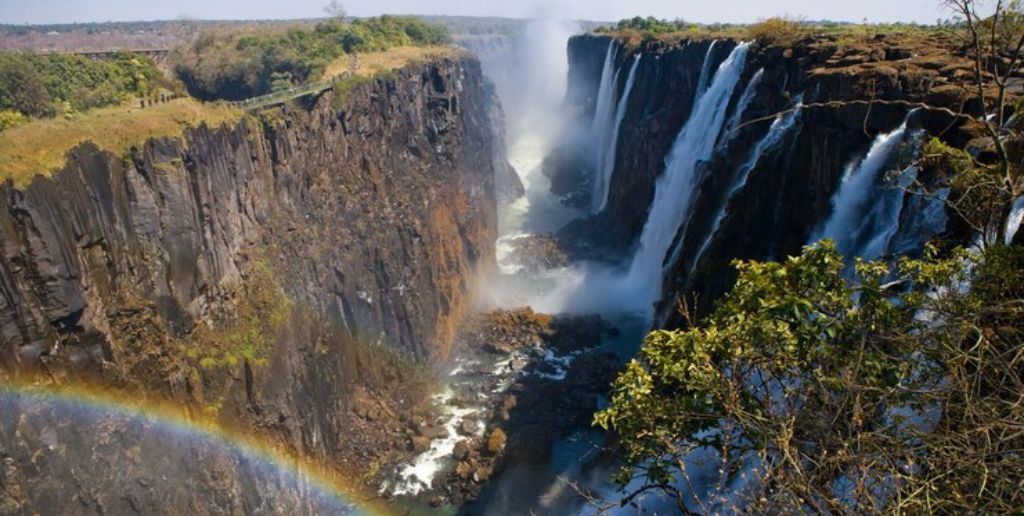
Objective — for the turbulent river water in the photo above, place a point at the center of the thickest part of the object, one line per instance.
(536, 124)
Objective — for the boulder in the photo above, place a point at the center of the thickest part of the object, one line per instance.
(461, 450)
(496, 442)
(419, 444)
(464, 470)
(481, 474)
(468, 426)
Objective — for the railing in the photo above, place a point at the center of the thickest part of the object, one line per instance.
(280, 97)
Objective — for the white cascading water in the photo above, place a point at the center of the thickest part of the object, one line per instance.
(1013, 222)
(606, 157)
(604, 109)
(780, 128)
(675, 188)
(744, 103)
(705, 71)
(730, 135)
(865, 212)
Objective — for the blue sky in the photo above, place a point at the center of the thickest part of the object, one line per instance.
(65, 11)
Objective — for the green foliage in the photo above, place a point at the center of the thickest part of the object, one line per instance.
(344, 88)
(640, 29)
(651, 25)
(261, 310)
(41, 84)
(281, 81)
(21, 87)
(237, 66)
(9, 118)
(778, 31)
(806, 365)
(980, 194)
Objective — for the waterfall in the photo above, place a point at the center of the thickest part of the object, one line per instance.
(924, 216)
(600, 128)
(705, 71)
(606, 156)
(675, 188)
(866, 208)
(1014, 220)
(745, 100)
(780, 128)
(730, 134)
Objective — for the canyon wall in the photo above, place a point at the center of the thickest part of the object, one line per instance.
(282, 273)
(788, 192)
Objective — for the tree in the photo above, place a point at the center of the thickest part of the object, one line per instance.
(898, 391)
(335, 10)
(995, 46)
(882, 395)
(22, 88)
(280, 81)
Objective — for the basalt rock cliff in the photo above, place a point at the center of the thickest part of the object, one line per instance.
(789, 190)
(267, 272)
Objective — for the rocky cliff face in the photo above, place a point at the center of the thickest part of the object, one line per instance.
(788, 193)
(260, 271)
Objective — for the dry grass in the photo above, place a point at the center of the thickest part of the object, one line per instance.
(785, 31)
(373, 63)
(779, 31)
(40, 146)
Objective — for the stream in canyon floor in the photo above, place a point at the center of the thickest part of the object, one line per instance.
(474, 380)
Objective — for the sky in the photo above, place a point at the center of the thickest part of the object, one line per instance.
(703, 11)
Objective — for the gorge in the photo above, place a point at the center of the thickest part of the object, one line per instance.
(416, 291)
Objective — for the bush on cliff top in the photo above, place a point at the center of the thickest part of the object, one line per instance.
(778, 31)
(239, 65)
(826, 396)
(42, 85)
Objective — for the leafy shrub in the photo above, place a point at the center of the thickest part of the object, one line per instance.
(11, 118)
(828, 396)
(237, 66)
(21, 87)
(778, 31)
(34, 84)
(639, 29)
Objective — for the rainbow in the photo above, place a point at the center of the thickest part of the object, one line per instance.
(321, 482)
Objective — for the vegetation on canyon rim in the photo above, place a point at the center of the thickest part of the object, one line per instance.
(238, 65)
(98, 100)
(44, 85)
(895, 390)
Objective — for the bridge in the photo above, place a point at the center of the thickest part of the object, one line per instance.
(316, 88)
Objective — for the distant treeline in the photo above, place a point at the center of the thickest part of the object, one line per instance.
(41, 85)
(236, 65)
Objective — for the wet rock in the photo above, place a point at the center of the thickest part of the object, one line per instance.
(464, 470)
(468, 426)
(419, 444)
(461, 450)
(481, 474)
(569, 173)
(430, 431)
(593, 372)
(496, 442)
(519, 363)
(509, 402)
(539, 252)
(531, 444)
